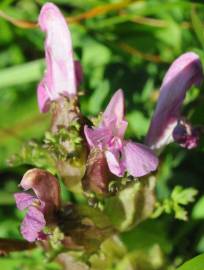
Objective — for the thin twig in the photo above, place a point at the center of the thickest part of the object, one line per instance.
(149, 21)
(11, 245)
(100, 10)
(94, 12)
(18, 23)
(157, 22)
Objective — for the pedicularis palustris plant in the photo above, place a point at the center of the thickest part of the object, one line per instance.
(115, 176)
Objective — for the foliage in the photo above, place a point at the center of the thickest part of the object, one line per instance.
(127, 46)
(196, 263)
(179, 197)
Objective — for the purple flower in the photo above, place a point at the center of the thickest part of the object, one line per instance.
(167, 125)
(121, 155)
(62, 74)
(34, 221)
(41, 205)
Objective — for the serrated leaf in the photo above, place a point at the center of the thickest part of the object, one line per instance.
(180, 212)
(183, 196)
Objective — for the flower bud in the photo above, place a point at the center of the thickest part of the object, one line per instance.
(186, 135)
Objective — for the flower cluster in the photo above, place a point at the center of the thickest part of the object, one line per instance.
(113, 154)
(121, 155)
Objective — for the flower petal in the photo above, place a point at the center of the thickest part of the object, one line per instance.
(32, 224)
(97, 136)
(44, 184)
(120, 129)
(182, 74)
(115, 165)
(23, 200)
(60, 73)
(115, 108)
(138, 159)
(43, 98)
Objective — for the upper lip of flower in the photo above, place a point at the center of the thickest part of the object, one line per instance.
(62, 74)
(184, 72)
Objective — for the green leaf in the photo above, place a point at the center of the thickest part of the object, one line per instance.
(196, 263)
(180, 212)
(174, 204)
(20, 74)
(198, 210)
(138, 124)
(183, 196)
(198, 27)
(26, 261)
(96, 100)
(200, 245)
(146, 235)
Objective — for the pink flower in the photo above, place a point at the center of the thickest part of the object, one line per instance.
(62, 74)
(42, 204)
(121, 155)
(34, 221)
(167, 125)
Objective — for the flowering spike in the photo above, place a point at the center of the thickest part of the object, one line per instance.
(60, 76)
(182, 74)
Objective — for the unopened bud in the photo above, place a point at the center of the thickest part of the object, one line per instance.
(186, 135)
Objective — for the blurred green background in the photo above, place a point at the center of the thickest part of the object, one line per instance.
(122, 44)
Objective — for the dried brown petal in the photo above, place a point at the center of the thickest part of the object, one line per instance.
(98, 175)
(44, 184)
